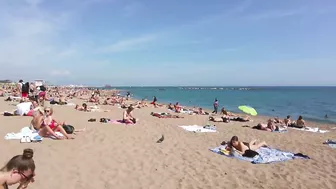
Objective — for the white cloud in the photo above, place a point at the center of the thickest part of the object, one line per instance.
(128, 44)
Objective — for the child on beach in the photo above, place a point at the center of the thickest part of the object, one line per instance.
(19, 170)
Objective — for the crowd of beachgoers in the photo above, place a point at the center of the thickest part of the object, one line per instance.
(38, 101)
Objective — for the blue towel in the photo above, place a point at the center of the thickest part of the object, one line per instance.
(266, 155)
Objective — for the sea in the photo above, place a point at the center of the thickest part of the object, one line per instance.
(313, 103)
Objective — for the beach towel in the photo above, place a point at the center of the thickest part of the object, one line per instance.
(331, 143)
(105, 120)
(27, 132)
(24, 132)
(311, 129)
(200, 129)
(281, 130)
(266, 155)
(116, 121)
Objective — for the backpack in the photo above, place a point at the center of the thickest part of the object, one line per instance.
(42, 88)
(69, 129)
(25, 87)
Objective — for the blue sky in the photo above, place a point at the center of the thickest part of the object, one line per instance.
(175, 42)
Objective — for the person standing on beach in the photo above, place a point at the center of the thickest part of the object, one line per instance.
(154, 101)
(215, 105)
(128, 95)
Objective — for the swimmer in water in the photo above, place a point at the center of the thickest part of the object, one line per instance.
(326, 116)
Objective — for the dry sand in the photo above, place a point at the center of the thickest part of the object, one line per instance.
(125, 157)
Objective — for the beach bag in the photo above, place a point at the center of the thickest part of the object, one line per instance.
(42, 88)
(250, 153)
(25, 87)
(69, 129)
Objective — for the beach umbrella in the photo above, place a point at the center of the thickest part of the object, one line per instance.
(248, 110)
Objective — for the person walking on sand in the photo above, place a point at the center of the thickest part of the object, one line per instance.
(215, 105)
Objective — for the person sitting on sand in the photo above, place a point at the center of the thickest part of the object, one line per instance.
(128, 117)
(170, 106)
(19, 170)
(266, 127)
(177, 108)
(300, 123)
(277, 120)
(143, 103)
(84, 108)
(287, 120)
(224, 112)
(62, 100)
(241, 147)
(41, 122)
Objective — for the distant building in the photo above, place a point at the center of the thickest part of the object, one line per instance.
(39, 82)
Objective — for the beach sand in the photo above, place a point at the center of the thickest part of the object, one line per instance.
(125, 157)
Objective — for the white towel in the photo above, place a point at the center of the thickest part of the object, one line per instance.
(312, 129)
(26, 131)
(197, 128)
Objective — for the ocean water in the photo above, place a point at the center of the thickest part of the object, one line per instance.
(313, 103)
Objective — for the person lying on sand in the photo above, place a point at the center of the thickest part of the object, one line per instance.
(165, 115)
(241, 147)
(128, 117)
(23, 109)
(200, 111)
(215, 119)
(227, 119)
(84, 108)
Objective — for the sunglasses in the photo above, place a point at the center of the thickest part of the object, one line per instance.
(46, 111)
(26, 178)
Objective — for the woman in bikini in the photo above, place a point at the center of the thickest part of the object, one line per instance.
(178, 108)
(287, 121)
(128, 117)
(19, 170)
(50, 126)
(267, 127)
(241, 147)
